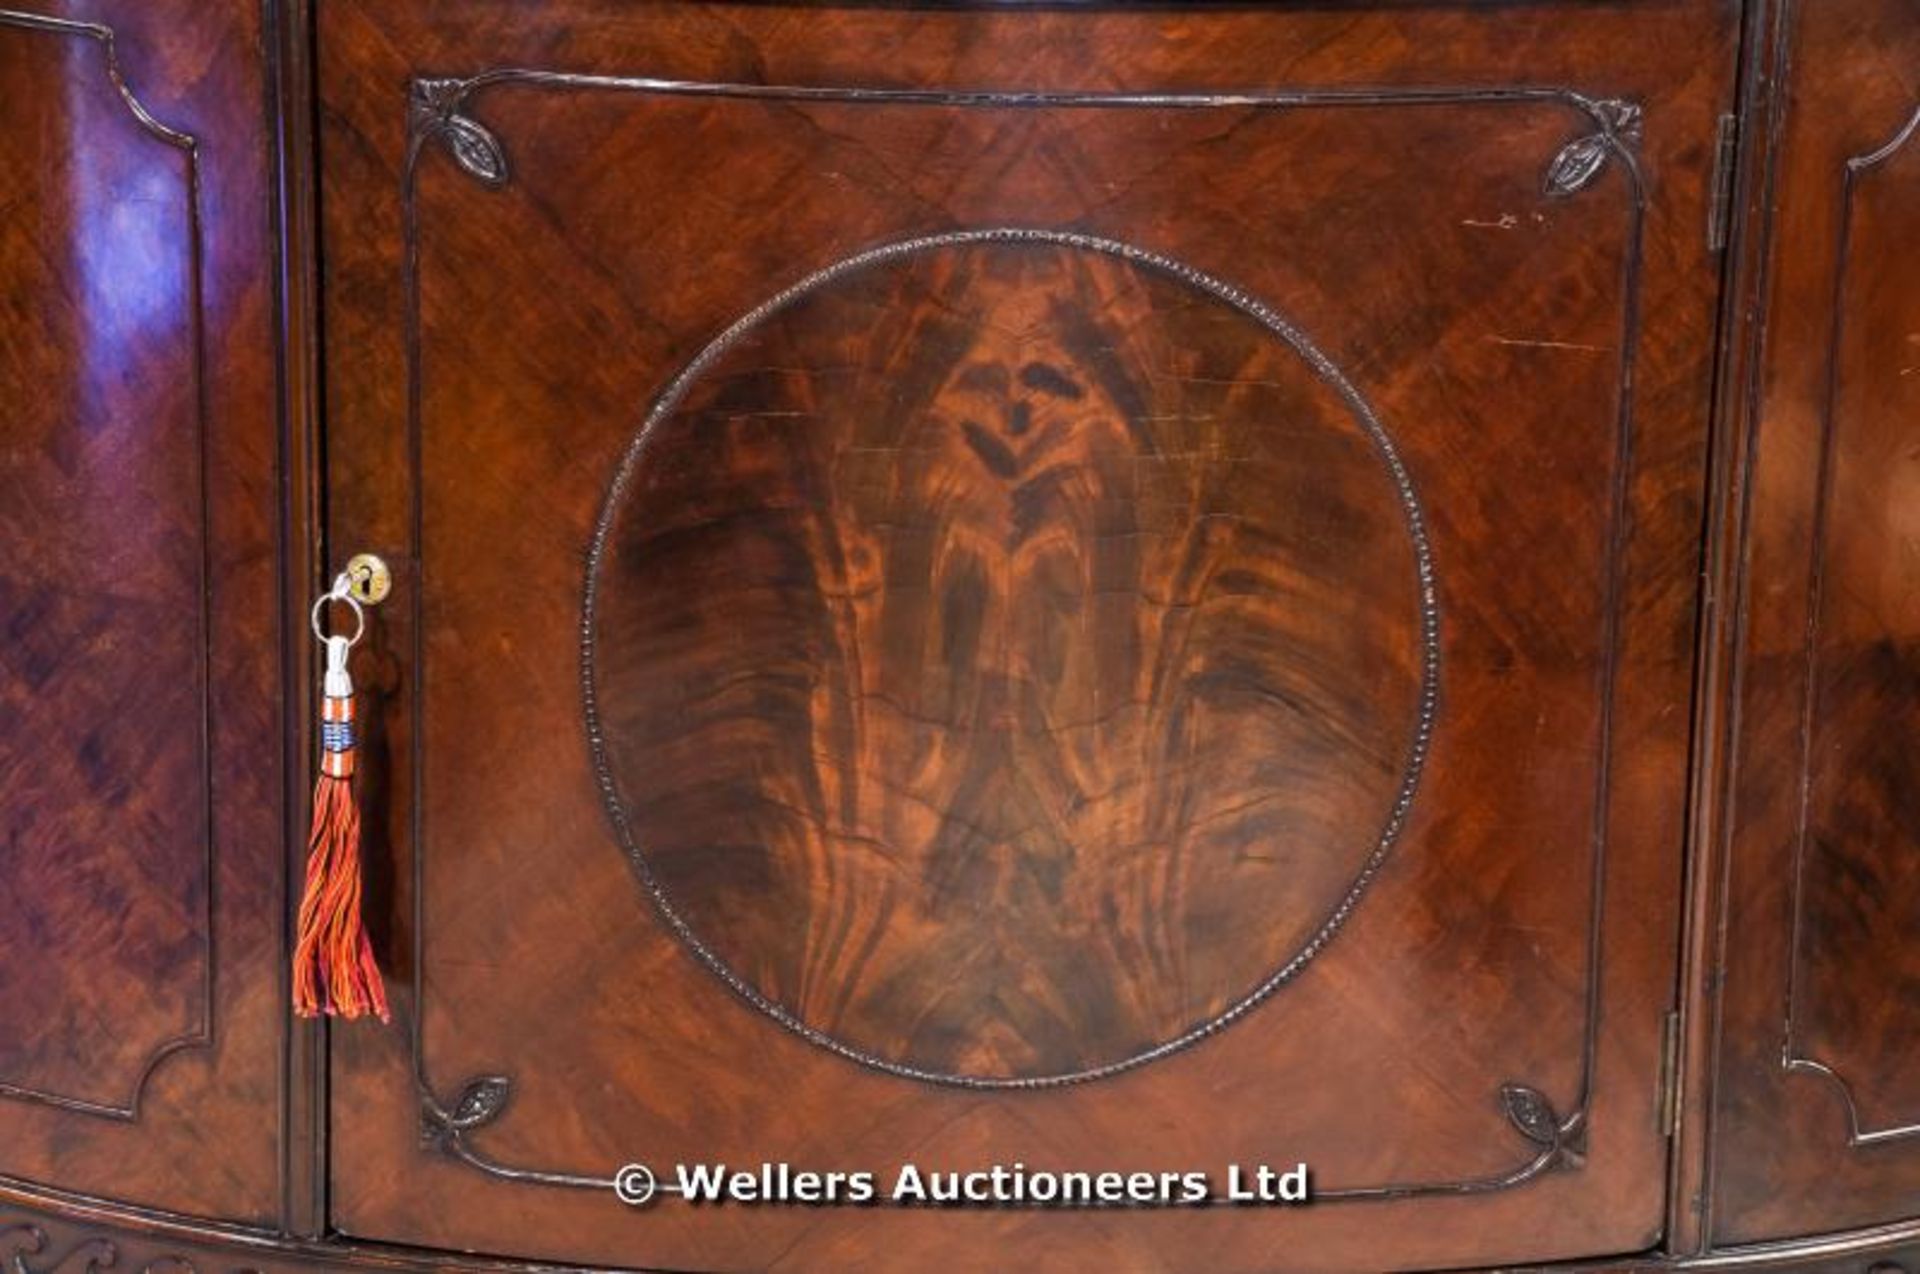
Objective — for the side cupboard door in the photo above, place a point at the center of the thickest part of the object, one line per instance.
(142, 784)
(1088, 591)
(1816, 1099)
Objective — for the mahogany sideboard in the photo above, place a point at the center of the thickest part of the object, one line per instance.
(1083, 587)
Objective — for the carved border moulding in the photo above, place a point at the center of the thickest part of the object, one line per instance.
(201, 1035)
(26, 1249)
(103, 1241)
(1856, 170)
(440, 110)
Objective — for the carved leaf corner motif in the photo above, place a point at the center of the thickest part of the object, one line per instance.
(445, 1127)
(1531, 1113)
(1577, 164)
(480, 1102)
(1581, 160)
(1623, 118)
(436, 113)
(475, 149)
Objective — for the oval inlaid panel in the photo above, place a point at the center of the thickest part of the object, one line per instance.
(1009, 655)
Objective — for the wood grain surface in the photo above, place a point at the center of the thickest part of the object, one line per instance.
(1856, 992)
(497, 332)
(1009, 657)
(106, 770)
(1815, 1108)
(140, 729)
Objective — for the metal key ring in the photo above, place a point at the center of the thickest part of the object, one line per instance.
(339, 593)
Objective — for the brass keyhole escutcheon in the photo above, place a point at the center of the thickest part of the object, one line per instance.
(368, 578)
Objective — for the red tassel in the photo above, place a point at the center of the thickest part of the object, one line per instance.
(333, 968)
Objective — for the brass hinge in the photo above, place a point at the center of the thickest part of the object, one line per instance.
(1726, 148)
(1669, 1096)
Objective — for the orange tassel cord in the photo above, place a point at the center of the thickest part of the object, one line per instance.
(333, 968)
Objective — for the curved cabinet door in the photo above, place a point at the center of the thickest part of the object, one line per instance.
(1102, 591)
(1817, 1104)
(140, 749)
